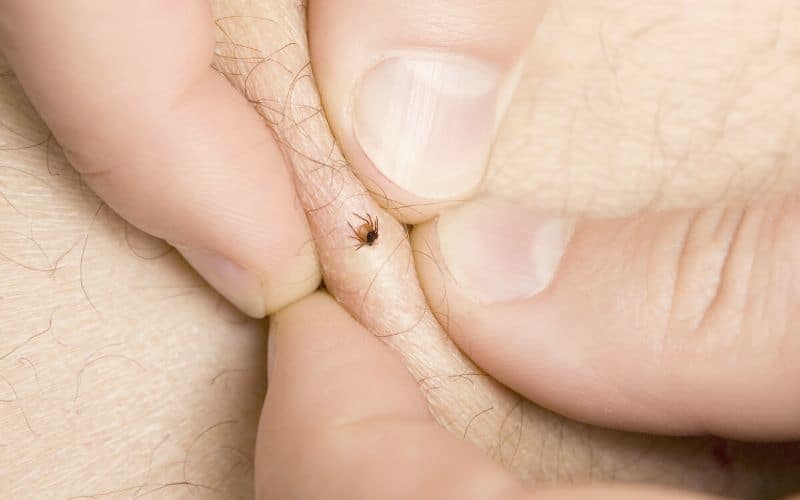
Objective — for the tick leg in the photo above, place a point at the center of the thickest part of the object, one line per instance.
(359, 244)
(366, 221)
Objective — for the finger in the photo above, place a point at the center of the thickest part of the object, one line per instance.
(614, 118)
(681, 322)
(415, 90)
(344, 420)
(342, 409)
(127, 90)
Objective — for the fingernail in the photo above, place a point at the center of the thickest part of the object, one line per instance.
(500, 252)
(427, 122)
(240, 286)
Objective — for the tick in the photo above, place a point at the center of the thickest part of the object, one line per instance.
(367, 233)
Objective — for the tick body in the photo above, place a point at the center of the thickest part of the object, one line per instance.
(367, 233)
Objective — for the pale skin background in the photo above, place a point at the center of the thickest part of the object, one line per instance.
(124, 375)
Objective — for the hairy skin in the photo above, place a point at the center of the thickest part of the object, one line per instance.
(122, 374)
(146, 381)
(615, 128)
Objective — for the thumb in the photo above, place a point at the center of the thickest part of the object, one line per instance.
(127, 90)
(415, 90)
(343, 419)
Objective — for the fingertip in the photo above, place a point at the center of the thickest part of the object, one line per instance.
(258, 293)
(635, 324)
(415, 92)
(325, 360)
(326, 372)
(166, 141)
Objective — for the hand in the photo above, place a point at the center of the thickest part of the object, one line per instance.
(632, 259)
(601, 324)
(419, 355)
(344, 420)
(128, 92)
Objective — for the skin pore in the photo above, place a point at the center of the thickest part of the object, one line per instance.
(141, 357)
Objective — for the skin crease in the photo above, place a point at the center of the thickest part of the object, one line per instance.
(551, 448)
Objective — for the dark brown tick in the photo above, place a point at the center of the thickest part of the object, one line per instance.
(367, 233)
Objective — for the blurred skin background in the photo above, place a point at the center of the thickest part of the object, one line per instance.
(125, 375)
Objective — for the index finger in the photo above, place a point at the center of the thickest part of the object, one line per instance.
(128, 91)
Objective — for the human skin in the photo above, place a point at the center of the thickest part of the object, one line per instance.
(557, 447)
